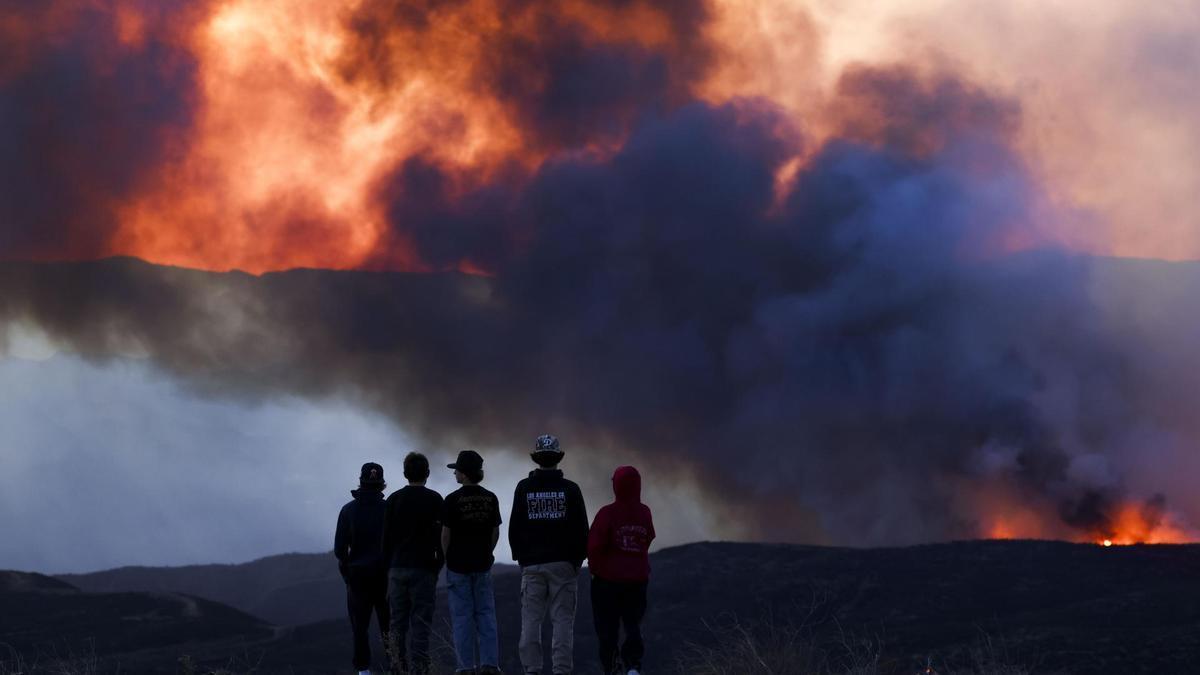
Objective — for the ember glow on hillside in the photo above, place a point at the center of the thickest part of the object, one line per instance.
(1121, 524)
(1146, 524)
(844, 243)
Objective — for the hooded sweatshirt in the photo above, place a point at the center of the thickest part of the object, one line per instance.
(359, 538)
(619, 541)
(549, 520)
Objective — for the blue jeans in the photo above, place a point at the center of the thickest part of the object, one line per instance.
(473, 615)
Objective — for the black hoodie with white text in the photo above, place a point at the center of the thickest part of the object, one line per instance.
(549, 521)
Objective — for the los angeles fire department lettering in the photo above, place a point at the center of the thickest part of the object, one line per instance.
(546, 505)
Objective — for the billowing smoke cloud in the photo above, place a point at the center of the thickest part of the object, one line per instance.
(567, 74)
(90, 101)
(827, 331)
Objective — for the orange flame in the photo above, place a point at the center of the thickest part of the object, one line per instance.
(1130, 524)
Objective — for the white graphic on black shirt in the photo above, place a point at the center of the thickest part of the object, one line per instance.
(546, 505)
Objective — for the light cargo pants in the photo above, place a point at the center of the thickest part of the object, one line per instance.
(550, 586)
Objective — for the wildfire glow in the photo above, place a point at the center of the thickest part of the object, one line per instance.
(1130, 523)
(289, 144)
(303, 107)
(297, 129)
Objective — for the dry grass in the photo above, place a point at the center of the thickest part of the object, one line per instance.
(68, 662)
(767, 647)
(772, 648)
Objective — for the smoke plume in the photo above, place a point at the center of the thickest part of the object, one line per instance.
(829, 330)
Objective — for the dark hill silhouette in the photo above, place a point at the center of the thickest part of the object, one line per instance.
(15, 582)
(1075, 608)
(265, 587)
(45, 620)
(1052, 606)
(287, 590)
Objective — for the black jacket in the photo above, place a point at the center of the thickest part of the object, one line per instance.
(359, 538)
(549, 521)
(412, 529)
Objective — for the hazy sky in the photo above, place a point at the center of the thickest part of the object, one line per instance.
(117, 464)
(111, 465)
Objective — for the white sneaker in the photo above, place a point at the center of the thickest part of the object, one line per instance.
(364, 672)
(632, 672)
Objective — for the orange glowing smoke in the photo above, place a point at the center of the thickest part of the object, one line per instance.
(1131, 523)
(305, 105)
(280, 171)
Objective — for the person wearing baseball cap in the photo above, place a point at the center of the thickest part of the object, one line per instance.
(358, 545)
(470, 530)
(548, 532)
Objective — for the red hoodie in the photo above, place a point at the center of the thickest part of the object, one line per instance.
(619, 540)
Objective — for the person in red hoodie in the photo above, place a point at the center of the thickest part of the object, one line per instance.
(618, 555)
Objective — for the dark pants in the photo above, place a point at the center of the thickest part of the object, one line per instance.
(366, 592)
(613, 604)
(411, 594)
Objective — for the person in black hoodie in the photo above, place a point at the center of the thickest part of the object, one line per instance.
(412, 545)
(358, 545)
(548, 533)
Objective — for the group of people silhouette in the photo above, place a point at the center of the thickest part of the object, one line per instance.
(390, 553)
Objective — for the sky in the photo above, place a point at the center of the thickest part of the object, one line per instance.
(849, 273)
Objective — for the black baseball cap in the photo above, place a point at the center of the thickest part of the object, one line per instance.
(468, 460)
(371, 474)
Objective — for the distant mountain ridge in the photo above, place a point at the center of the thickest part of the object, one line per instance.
(289, 589)
(260, 587)
(16, 582)
(48, 626)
